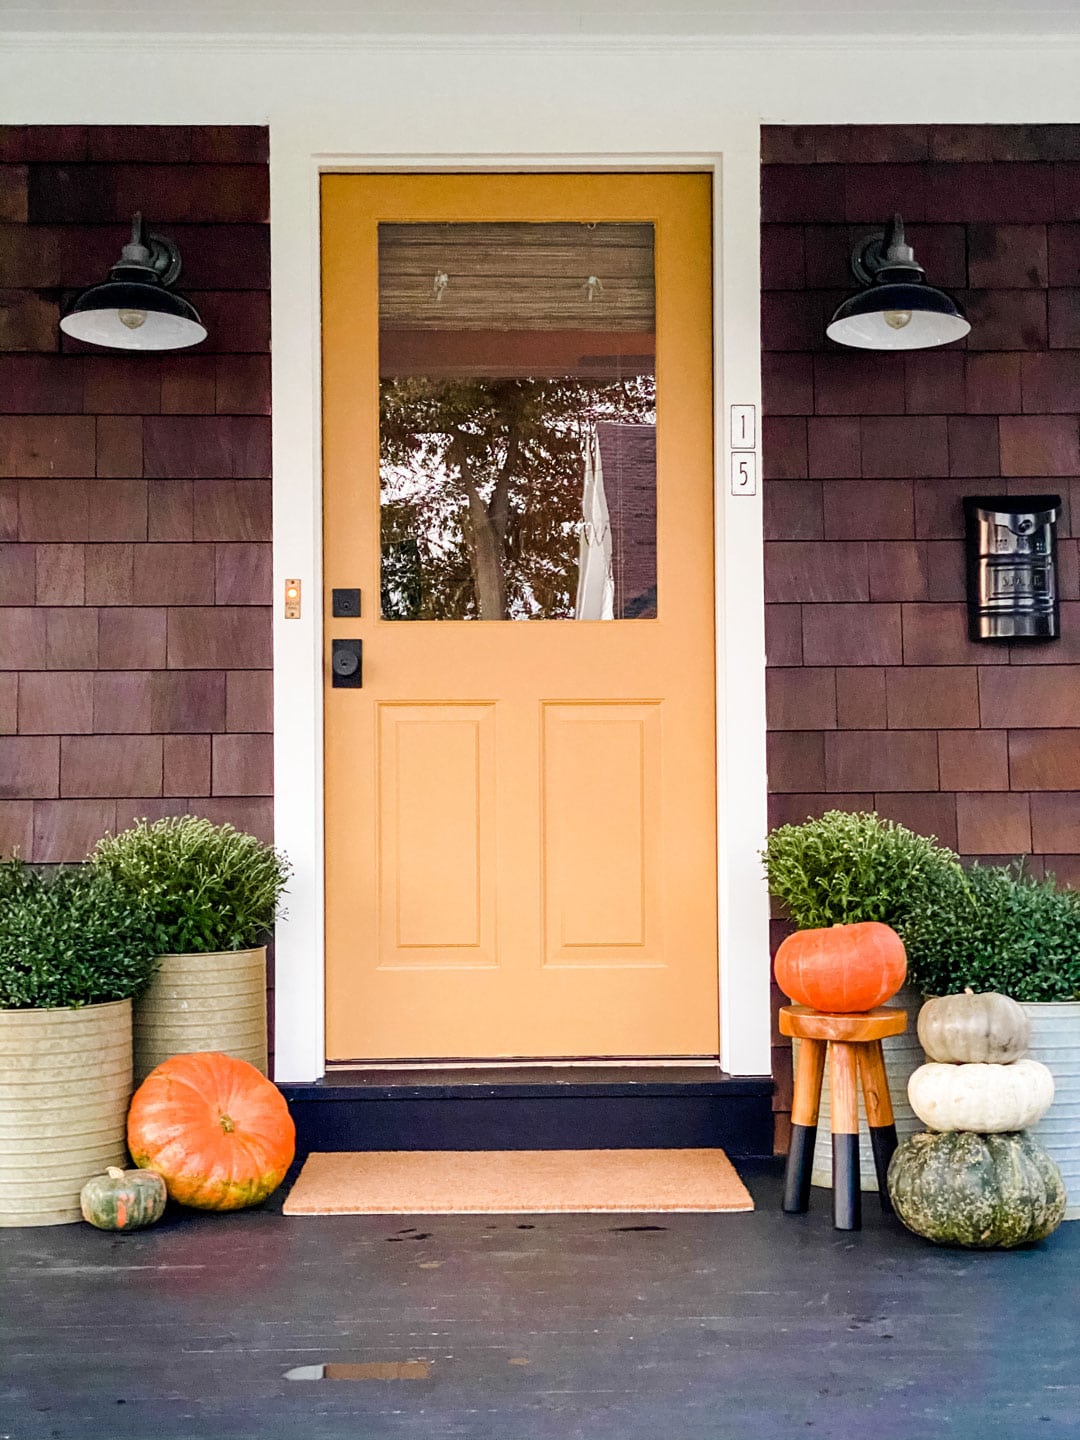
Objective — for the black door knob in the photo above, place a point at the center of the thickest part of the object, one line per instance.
(345, 662)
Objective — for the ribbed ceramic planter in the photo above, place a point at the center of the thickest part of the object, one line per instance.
(65, 1085)
(903, 1054)
(203, 1002)
(1055, 1040)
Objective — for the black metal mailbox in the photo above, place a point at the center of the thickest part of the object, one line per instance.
(1012, 566)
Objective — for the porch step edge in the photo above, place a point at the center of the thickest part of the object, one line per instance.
(365, 1111)
(586, 1083)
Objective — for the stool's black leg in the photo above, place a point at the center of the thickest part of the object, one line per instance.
(804, 1114)
(847, 1184)
(883, 1140)
(800, 1163)
(844, 1101)
(879, 1113)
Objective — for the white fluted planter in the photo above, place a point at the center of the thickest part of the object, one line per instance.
(203, 1002)
(1055, 1040)
(65, 1086)
(903, 1054)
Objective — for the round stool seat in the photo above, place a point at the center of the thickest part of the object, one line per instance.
(807, 1024)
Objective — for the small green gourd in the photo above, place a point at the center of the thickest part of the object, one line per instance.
(123, 1199)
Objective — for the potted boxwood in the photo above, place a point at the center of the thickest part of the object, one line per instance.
(844, 869)
(73, 952)
(210, 894)
(1003, 930)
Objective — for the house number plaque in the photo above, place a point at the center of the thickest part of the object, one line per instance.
(743, 453)
(743, 472)
(743, 427)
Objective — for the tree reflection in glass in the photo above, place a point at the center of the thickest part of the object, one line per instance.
(517, 425)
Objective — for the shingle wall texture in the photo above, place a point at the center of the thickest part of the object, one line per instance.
(876, 696)
(134, 494)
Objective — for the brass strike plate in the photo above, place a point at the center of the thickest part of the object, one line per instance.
(292, 599)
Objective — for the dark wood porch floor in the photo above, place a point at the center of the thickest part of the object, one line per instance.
(738, 1327)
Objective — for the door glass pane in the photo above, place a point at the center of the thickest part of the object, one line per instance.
(517, 405)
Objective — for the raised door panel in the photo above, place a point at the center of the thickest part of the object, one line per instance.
(437, 844)
(600, 837)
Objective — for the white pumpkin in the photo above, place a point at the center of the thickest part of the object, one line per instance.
(985, 1029)
(985, 1099)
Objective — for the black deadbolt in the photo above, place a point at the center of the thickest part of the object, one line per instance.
(345, 663)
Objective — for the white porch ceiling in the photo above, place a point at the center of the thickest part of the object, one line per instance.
(620, 18)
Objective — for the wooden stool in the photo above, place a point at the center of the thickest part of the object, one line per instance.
(844, 1037)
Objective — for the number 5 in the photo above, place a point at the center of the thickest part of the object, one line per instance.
(744, 473)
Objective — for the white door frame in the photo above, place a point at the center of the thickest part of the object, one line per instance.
(743, 958)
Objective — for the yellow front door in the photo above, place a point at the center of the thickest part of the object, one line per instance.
(520, 793)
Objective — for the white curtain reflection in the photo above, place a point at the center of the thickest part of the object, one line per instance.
(596, 581)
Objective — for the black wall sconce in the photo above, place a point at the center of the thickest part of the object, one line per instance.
(896, 309)
(135, 309)
(1012, 567)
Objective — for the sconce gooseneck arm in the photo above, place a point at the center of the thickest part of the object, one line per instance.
(151, 253)
(885, 251)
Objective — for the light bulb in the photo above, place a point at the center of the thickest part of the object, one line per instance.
(897, 319)
(132, 318)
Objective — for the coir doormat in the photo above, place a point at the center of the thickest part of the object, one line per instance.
(513, 1182)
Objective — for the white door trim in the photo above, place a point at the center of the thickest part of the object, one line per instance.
(298, 644)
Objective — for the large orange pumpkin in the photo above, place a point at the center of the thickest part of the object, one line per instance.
(842, 968)
(217, 1131)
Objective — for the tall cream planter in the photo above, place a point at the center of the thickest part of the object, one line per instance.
(203, 1002)
(1055, 1040)
(903, 1054)
(65, 1085)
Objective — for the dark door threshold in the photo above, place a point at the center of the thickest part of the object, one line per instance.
(535, 1108)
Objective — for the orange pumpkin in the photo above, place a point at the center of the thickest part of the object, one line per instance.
(217, 1131)
(842, 968)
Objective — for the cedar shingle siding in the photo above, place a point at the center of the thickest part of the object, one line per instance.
(876, 695)
(134, 494)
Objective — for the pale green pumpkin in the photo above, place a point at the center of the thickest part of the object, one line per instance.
(988, 1029)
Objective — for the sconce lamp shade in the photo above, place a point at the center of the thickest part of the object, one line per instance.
(896, 310)
(133, 317)
(134, 309)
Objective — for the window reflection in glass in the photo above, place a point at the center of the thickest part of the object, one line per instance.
(517, 415)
